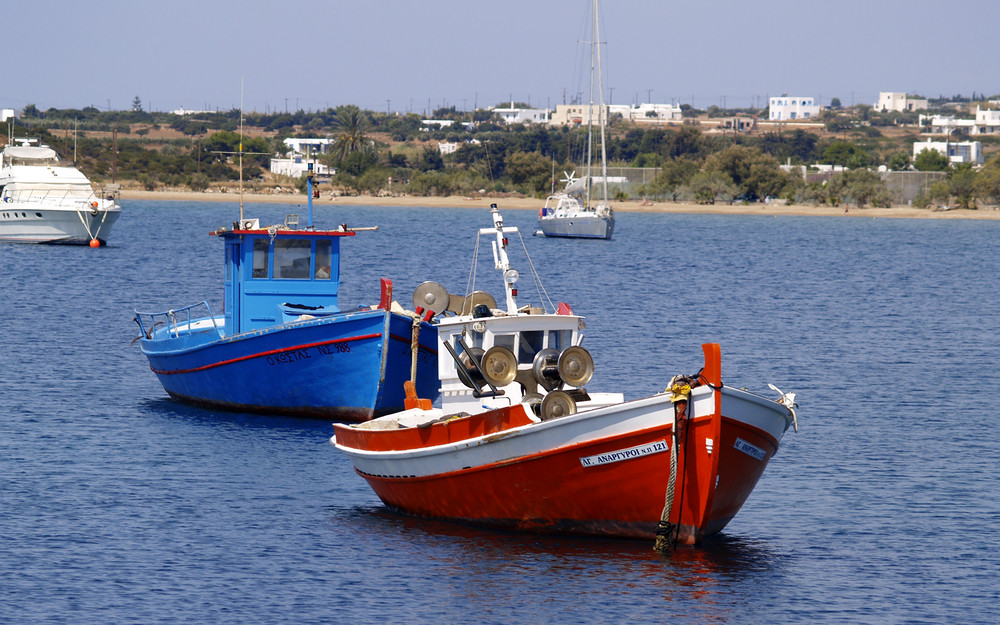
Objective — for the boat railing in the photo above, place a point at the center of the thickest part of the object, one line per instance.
(178, 320)
(84, 199)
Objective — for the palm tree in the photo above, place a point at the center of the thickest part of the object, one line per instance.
(351, 123)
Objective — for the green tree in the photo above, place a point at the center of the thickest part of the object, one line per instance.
(988, 182)
(900, 161)
(860, 187)
(430, 159)
(674, 176)
(755, 174)
(708, 186)
(350, 127)
(843, 153)
(930, 160)
(531, 169)
(962, 184)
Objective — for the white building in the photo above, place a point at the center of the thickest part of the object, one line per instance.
(299, 145)
(956, 151)
(987, 122)
(892, 101)
(296, 165)
(655, 113)
(577, 114)
(299, 152)
(514, 115)
(445, 147)
(184, 111)
(786, 108)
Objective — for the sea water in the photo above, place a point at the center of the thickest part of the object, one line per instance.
(119, 505)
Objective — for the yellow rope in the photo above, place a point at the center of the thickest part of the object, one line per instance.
(666, 532)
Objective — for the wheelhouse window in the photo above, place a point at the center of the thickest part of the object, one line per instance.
(531, 343)
(560, 339)
(323, 255)
(504, 340)
(260, 249)
(291, 259)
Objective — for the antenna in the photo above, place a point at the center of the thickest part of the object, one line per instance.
(241, 149)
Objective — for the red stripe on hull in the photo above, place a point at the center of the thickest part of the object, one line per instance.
(271, 352)
(408, 340)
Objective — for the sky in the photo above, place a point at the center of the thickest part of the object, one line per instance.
(407, 56)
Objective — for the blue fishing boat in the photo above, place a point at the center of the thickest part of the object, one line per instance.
(283, 345)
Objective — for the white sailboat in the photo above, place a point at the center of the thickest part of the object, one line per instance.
(567, 214)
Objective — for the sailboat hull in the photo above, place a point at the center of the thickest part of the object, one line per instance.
(578, 227)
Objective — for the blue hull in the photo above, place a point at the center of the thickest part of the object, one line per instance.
(349, 366)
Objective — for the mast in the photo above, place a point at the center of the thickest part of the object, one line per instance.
(588, 182)
(601, 112)
(500, 259)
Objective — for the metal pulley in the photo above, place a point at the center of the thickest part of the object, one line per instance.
(499, 365)
(545, 369)
(469, 359)
(576, 366)
(556, 404)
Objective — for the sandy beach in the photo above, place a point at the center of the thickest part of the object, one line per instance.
(775, 208)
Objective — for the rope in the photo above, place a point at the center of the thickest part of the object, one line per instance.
(83, 220)
(666, 532)
(534, 275)
(471, 283)
(414, 348)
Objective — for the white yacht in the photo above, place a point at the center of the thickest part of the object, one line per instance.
(45, 200)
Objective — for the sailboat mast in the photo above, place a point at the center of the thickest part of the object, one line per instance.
(601, 112)
(588, 181)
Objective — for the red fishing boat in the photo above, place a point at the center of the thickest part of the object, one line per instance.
(518, 442)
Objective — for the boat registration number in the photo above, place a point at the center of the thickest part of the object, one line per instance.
(625, 454)
(751, 450)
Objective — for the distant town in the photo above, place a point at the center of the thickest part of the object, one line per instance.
(900, 150)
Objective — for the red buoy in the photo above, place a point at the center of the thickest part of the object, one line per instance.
(95, 243)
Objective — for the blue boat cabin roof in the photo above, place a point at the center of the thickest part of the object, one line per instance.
(269, 268)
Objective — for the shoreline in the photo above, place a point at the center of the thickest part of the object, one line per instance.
(775, 209)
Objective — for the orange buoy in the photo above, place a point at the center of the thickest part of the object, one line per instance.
(95, 243)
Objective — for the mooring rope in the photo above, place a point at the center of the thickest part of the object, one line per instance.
(414, 348)
(666, 532)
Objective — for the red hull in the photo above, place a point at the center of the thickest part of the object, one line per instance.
(605, 472)
(621, 499)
